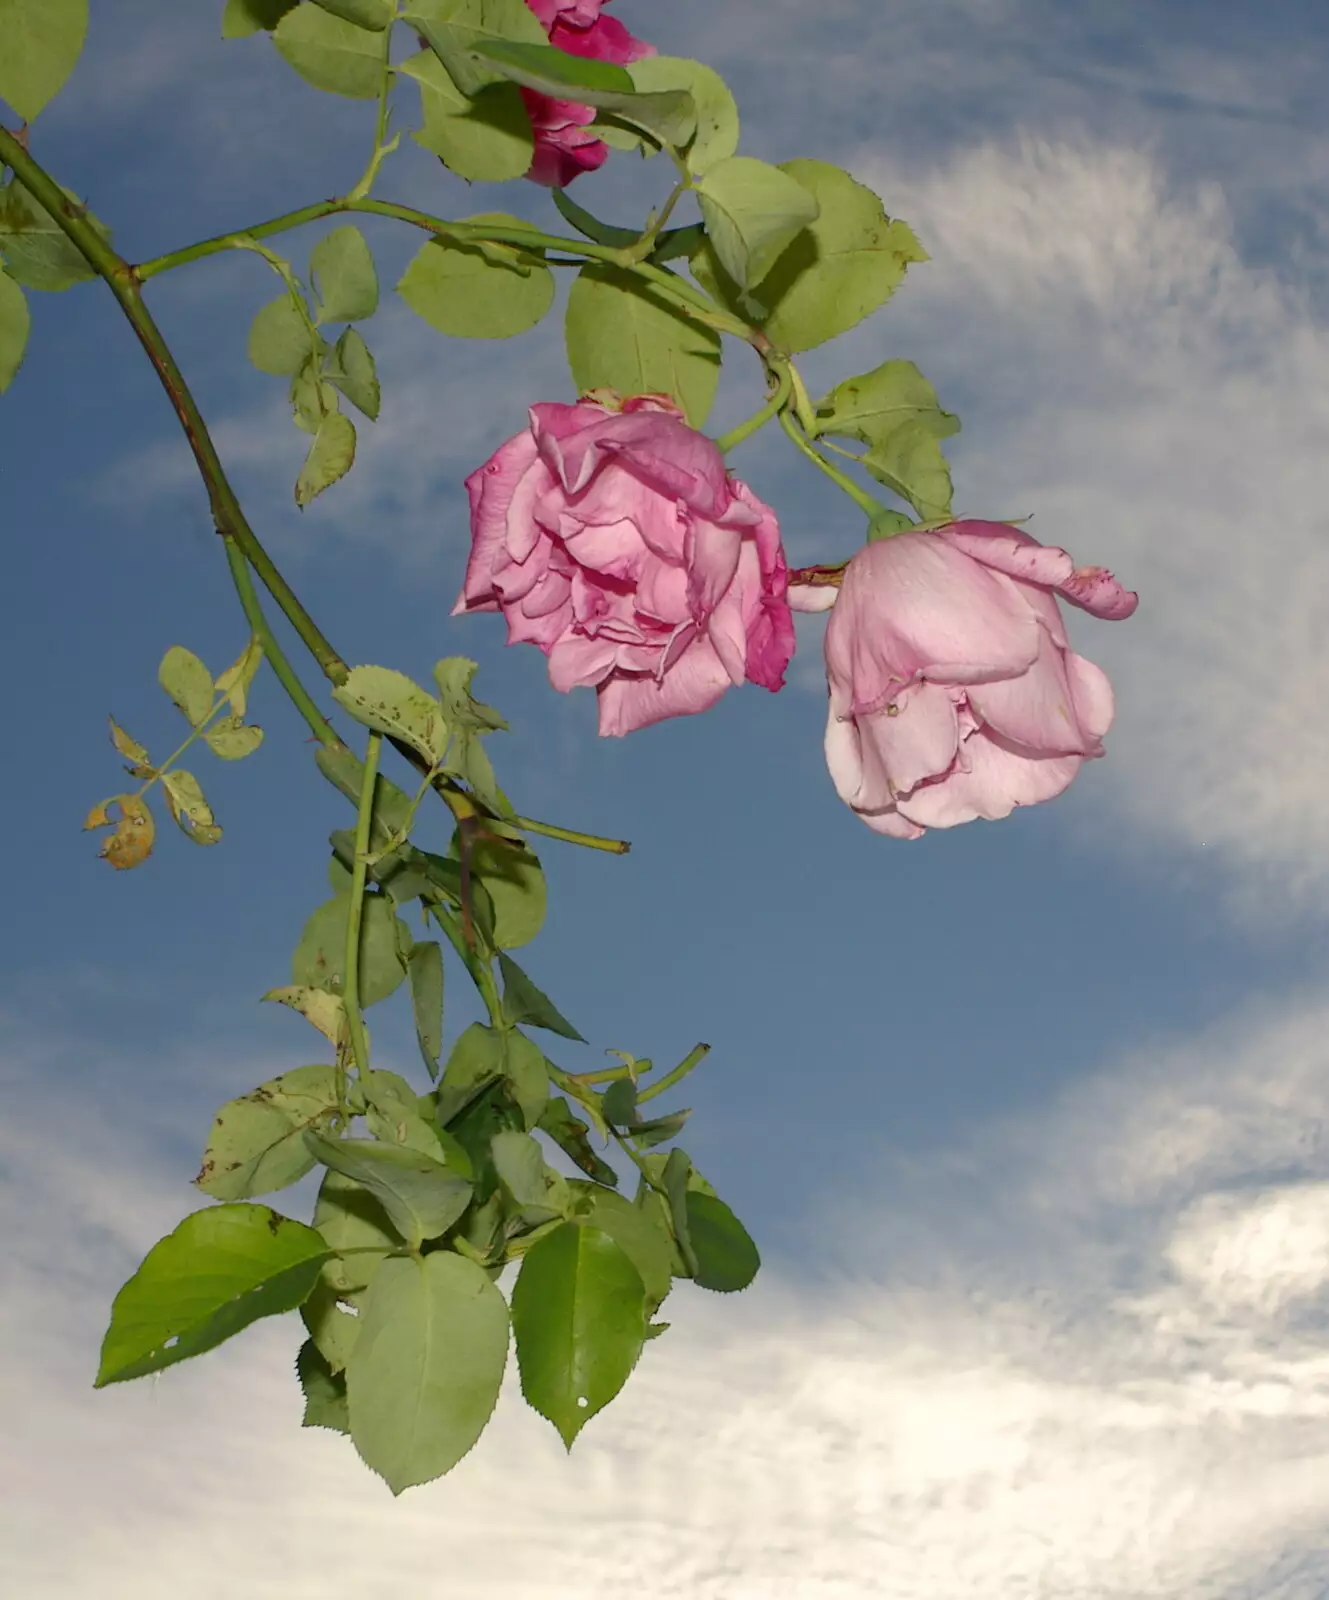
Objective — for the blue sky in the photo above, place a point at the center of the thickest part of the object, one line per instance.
(1027, 1118)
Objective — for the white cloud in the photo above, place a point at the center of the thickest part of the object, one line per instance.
(1162, 407)
(1080, 1356)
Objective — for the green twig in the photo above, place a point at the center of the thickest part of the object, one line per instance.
(355, 1022)
(842, 480)
(296, 692)
(692, 302)
(383, 146)
(779, 399)
(694, 1057)
(588, 841)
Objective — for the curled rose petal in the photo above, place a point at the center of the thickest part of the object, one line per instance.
(954, 693)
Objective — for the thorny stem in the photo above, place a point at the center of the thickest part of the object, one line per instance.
(125, 283)
(355, 1022)
(229, 519)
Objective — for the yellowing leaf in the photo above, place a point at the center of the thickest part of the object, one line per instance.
(234, 682)
(128, 746)
(326, 1011)
(131, 843)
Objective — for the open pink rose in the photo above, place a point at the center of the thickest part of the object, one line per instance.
(617, 542)
(953, 691)
(563, 145)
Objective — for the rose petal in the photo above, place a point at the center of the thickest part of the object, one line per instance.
(694, 683)
(998, 780)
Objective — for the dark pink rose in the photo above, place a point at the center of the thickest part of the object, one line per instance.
(563, 146)
(954, 693)
(617, 542)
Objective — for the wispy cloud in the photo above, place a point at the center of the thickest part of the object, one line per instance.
(1081, 1355)
(1166, 406)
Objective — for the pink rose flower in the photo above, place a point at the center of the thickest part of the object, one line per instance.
(617, 542)
(563, 146)
(954, 693)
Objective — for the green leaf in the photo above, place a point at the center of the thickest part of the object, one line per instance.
(324, 1391)
(331, 53)
(330, 458)
(527, 1076)
(351, 369)
(422, 1197)
(392, 806)
(540, 1193)
(639, 1234)
(619, 1103)
(232, 739)
(591, 226)
(375, 14)
(893, 410)
(221, 1269)
(425, 1373)
(424, 968)
(476, 1060)
(235, 681)
(42, 40)
(716, 136)
(516, 883)
(523, 1002)
(470, 719)
(484, 140)
(669, 116)
(840, 269)
(279, 338)
(473, 293)
(675, 1173)
(321, 953)
(313, 399)
(15, 323)
(38, 252)
(188, 682)
(579, 1314)
(397, 1115)
(646, 1135)
(189, 806)
(350, 1219)
(753, 212)
(243, 17)
(727, 1259)
(332, 1329)
(623, 335)
(572, 1136)
(256, 1144)
(341, 269)
(454, 27)
(390, 702)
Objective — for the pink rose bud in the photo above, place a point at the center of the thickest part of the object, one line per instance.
(954, 693)
(617, 542)
(563, 146)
